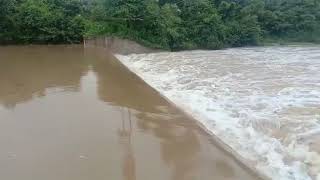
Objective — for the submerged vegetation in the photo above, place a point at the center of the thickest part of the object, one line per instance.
(170, 24)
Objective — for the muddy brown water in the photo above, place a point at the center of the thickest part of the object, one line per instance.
(69, 113)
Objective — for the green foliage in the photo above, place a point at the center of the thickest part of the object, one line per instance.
(7, 8)
(241, 22)
(45, 21)
(170, 24)
(189, 24)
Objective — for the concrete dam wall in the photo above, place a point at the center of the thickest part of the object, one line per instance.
(118, 46)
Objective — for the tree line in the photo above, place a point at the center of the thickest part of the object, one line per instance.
(169, 24)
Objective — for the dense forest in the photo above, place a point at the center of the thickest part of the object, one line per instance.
(169, 24)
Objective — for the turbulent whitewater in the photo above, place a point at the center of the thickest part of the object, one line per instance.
(264, 102)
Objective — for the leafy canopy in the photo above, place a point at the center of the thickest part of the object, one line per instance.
(170, 24)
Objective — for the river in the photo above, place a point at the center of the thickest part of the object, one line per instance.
(69, 113)
(264, 102)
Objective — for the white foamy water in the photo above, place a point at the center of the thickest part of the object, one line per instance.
(264, 102)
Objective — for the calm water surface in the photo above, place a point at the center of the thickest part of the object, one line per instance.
(72, 114)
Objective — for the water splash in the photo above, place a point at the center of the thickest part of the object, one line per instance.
(264, 102)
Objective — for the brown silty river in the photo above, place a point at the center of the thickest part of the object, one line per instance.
(69, 113)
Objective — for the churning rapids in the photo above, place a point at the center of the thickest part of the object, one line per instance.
(264, 102)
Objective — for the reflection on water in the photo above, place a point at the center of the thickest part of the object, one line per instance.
(174, 139)
(72, 114)
(125, 132)
(31, 71)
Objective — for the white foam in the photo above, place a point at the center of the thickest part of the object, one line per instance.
(263, 102)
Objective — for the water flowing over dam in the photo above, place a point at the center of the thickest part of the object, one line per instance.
(264, 102)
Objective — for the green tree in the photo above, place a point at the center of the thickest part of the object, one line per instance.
(170, 24)
(7, 26)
